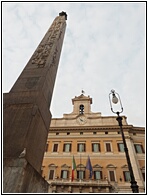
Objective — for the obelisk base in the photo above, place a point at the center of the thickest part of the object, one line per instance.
(20, 177)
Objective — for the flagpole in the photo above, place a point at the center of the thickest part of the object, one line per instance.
(80, 167)
(73, 168)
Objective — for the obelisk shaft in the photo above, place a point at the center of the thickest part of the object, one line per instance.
(26, 106)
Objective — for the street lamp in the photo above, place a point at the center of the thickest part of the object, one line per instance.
(116, 99)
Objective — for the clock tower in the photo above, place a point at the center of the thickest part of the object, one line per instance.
(82, 104)
(81, 108)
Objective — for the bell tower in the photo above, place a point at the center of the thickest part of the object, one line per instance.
(82, 104)
(27, 116)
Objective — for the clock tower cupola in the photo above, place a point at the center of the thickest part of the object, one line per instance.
(82, 104)
(82, 108)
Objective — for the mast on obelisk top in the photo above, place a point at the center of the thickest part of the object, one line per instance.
(26, 106)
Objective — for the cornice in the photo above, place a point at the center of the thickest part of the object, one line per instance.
(88, 115)
(111, 127)
(138, 128)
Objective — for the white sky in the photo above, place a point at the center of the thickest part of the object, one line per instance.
(104, 49)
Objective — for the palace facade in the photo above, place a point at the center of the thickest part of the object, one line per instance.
(82, 134)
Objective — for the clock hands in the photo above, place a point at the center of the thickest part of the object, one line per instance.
(81, 119)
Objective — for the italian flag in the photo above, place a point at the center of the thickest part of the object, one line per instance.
(73, 168)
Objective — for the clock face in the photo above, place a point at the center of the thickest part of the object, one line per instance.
(81, 120)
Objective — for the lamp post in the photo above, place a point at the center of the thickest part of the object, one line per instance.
(115, 100)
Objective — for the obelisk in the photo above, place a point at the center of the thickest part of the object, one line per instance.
(26, 113)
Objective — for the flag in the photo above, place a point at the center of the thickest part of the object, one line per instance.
(73, 168)
(89, 167)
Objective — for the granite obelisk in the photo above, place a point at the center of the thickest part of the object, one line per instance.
(26, 111)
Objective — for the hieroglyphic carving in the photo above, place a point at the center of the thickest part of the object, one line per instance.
(41, 54)
(54, 57)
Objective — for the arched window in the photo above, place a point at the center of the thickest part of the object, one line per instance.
(81, 109)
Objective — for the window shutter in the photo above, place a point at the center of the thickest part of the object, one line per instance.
(67, 174)
(51, 174)
(55, 149)
(92, 147)
(83, 174)
(108, 147)
(118, 147)
(94, 174)
(99, 148)
(101, 174)
(112, 176)
(84, 147)
(61, 173)
(64, 148)
(143, 174)
(142, 148)
(70, 147)
(136, 148)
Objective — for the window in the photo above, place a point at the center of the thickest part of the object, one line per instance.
(57, 133)
(67, 147)
(120, 147)
(108, 147)
(68, 133)
(143, 175)
(81, 133)
(139, 148)
(126, 175)
(64, 174)
(106, 132)
(51, 174)
(81, 147)
(94, 133)
(80, 174)
(97, 175)
(81, 109)
(112, 175)
(96, 147)
(55, 148)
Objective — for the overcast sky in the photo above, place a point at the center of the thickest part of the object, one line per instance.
(104, 49)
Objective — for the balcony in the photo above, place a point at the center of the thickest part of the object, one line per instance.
(79, 186)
